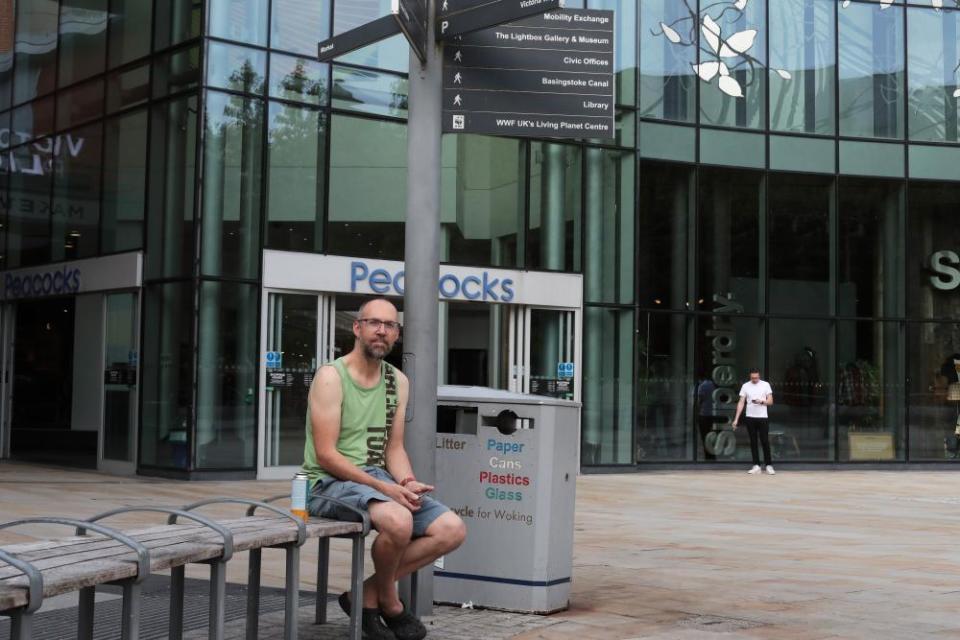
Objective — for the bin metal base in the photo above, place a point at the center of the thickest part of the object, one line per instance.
(503, 597)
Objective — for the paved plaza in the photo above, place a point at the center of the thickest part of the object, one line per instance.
(803, 555)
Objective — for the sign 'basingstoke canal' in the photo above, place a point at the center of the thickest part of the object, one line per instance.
(549, 75)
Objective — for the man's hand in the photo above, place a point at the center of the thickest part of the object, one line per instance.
(734, 424)
(401, 495)
(418, 487)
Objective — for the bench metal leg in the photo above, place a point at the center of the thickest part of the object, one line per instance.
(21, 626)
(175, 629)
(218, 587)
(323, 576)
(292, 602)
(356, 587)
(130, 621)
(85, 613)
(253, 593)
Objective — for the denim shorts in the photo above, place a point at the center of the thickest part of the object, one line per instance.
(359, 495)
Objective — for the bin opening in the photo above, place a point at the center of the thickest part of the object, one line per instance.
(506, 422)
(456, 419)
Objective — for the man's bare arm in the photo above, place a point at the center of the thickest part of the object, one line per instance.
(398, 462)
(740, 404)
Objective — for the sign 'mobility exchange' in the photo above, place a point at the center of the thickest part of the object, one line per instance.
(550, 75)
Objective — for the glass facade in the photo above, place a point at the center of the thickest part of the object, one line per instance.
(780, 194)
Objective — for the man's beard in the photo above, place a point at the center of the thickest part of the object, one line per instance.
(376, 351)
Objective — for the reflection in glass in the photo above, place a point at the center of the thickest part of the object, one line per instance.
(173, 138)
(129, 20)
(176, 21)
(667, 57)
(232, 157)
(391, 54)
(609, 219)
(553, 237)
(803, 65)
(368, 188)
(799, 240)
(167, 397)
(608, 386)
(665, 211)
(870, 391)
(625, 51)
(80, 104)
(799, 371)
(75, 219)
(124, 182)
(934, 53)
(934, 243)
(83, 39)
(296, 173)
(128, 88)
(664, 386)
(482, 212)
(33, 120)
(298, 25)
(28, 240)
(236, 68)
(934, 379)
(120, 397)
(369, 92)
(298, 79)
(177, 71)
(240, 20)
(730, 202)
(871, 70)
(35, 63)
(226, 375)
(6, 57)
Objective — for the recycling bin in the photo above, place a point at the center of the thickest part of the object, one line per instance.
(507, 464)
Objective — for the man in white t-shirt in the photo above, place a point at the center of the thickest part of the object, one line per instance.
(756, 395)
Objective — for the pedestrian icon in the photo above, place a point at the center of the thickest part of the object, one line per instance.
(458, 57)
(457, 78)
(457, 101)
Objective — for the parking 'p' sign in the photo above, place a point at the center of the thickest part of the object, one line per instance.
(273, 359)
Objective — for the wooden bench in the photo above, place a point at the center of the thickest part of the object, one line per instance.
(31, 571)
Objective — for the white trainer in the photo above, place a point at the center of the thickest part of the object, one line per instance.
(754, 470)
(770, 471)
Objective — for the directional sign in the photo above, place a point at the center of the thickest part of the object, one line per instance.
(470, 15)
(348, 41)
(411, 15)
(550, 75)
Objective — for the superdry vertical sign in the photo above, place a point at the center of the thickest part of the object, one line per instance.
(548, 75)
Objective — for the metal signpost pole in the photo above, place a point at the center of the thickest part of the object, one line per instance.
(422, 272)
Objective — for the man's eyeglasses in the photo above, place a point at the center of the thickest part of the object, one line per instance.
(375, 324)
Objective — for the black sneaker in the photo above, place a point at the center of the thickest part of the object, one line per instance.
(406, 626)
(370, 623)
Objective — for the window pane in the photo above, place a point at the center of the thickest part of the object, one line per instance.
(664, 386)
(799, 371)
(799, 242)
(369, 92)
(232, 159)
(870, 248)
(666, 203)
(36, 49)
(609, 220)
(29, 233)
(177, 71)
(802, 46)
(391, 54)
(733, 94)
(240, 20)
(730, 203)
(226, 375)
(934, 375)
(76, 195)
(83, 39)
(129, 20)
(933, 42)
(33, 120)
(128, 88)
(167, 403)
(173, 140)
(667, 56)
(368, 188)
(870, 391)
(80, 104)
(298, 79)
(298, 25)
(871, 70)
(608, 387)
(482, 211)
(236, 68)
(625, 39)
(296, 152)
(176, 21)
(6, 56)
(124, 182)
(553, 240)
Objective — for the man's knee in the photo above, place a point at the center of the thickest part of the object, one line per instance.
(392, 519)
(449, 530)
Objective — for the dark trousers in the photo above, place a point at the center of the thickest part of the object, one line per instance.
(759, 428)
(706, 426)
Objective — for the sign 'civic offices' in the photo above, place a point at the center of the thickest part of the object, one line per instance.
(548, 75)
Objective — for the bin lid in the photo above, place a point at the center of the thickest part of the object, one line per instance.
(456, 393)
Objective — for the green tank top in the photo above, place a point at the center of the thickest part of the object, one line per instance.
(366, 416)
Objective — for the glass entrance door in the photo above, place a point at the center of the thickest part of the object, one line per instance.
(299, 334)
(543, 351)
(118, 437)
